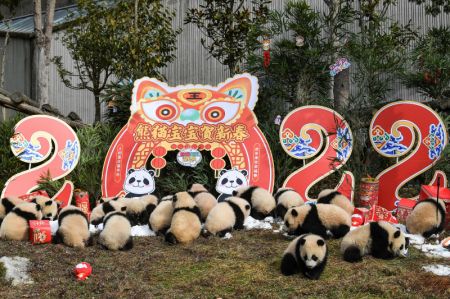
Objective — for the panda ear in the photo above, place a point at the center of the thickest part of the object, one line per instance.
(130, 171)
(58, 204)
(101, 200)
(223, 171)
(320, 242)
(38, 207)
(244, 172)
(294, 213)
(115, 198)
(302, 241)
(175, 198)
(397, 234)
(34, 200)
(48, 203)
(151, 172)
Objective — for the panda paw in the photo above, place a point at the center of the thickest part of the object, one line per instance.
(352, 254)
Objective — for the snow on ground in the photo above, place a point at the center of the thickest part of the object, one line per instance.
(430, 249)
(227, 236)
(16, 270)
(136, 231)
(251, 223)
(440, 270)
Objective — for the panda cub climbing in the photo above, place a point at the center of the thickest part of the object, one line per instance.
(99, 212)
(49, 206)
(205, 200)
(307, 254)
(317, 219)
(7, 204)
(380, 239)
(15, 224)
(261, 201)
(185, 225)
(330, 196)
(227, 215)
(73, 228)
(116, 233)
(287, 198)
(161, 217)
(427, 218)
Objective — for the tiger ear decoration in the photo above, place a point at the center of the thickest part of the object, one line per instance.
(147, 88)
(242, 87)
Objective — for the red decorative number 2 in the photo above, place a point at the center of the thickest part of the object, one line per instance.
(301, 136)
(32, 143)
(394, 130)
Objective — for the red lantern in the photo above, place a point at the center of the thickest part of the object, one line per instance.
(159, 151)
(218, 152)
(158, 163)
(357, 220)
(217, 164)
(82, 270)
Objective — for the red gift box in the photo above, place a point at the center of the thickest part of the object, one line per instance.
(364, 212)
(404, 208)
(30, 196)
(82, 201)
(377, 213)
(427, 191)
(40, 232)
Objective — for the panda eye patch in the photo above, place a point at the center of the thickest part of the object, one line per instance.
(314, 258)
(397, 234)
(401, 247)
(239, 181)
(146, 182)
(224, 181)
(320, 242)
(286, 223)
(131, 181)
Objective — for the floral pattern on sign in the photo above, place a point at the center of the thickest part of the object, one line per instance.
(343, 143)
(434, 141)
(387, 143)
(297, 145)
(69, 155)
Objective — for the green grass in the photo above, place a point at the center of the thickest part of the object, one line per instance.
(246, 266)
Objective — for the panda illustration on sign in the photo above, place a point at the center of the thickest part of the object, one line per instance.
(139, 182)
(229, 181)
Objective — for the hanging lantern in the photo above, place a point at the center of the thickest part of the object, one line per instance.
(217, 165)
(158, 164)
(266, 53)
(218, 152)
(159, 151)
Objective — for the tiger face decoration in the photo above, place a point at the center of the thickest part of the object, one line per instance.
(190, 118)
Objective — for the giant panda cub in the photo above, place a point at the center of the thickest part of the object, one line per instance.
(101, 210)
(317, 219)
(227, 215)
(380, 239)
(116, 233)
(330, 196)
(260, 200)
(205, 200)
(161, 217)
(139, 209)
(185, 225)
(15, 224)
(49, 206)
(306, 254)
(7, 204)
(73, 228)
(287, 198)
(427, 218)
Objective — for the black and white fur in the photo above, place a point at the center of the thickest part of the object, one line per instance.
(73, 228)
(380, 239)
(99, 212)
(139, 182)
(116, 233)
(185, 225)
(227, 215)
(7, 204)
(317, 219)
(427, 218)
(287, 198)
(161, 217)
(139, 209)
(15, 225)
(49, 206)
(229, 180)
(307, 254)
(330, 196)
(262, 202)
(205, 200)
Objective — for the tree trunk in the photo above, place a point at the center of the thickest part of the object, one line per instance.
(42, 48)
(97, 108)
(341, 90)
(3, 57)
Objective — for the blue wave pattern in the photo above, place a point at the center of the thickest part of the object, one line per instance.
(30, 153)
(392, 145)
(436, 141)
(70, 154)
(344, 143)
(302, 148)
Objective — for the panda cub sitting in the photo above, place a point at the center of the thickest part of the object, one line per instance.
(427, 218)
(306, 254)
(380, 239)
(116, 233)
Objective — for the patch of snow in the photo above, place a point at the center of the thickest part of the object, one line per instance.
(440, 270)
(16, 270)
(227, 236)
(432, 250)
(142, 231)
(251, 223)
(54, 226)
(95, 229)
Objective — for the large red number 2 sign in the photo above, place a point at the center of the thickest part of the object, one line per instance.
(406, 128)
(32, 143)
(302, 137)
